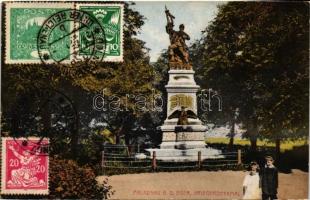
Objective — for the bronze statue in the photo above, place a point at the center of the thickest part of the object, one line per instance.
(183, 116)
(178, 50)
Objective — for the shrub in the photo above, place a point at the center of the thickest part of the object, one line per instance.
(71, 181)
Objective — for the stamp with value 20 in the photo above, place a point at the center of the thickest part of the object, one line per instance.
(24, 166)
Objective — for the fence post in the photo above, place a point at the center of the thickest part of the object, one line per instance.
(102, 162)
(154, 161)
(128, 153)
(199, 159)
(239, 157)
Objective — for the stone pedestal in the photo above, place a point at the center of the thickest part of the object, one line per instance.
(182, 90)
(183, 137)
(183, 142)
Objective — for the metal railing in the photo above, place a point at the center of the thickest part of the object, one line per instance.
(128, 161)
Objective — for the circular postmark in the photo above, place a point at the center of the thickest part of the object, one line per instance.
(47, 114)
(33, 145)
(70, 36)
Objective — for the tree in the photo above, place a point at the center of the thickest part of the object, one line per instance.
(125, 81)
(214, 74)
(256, 55)
(286, 111)
(81, 82)
(161, 68)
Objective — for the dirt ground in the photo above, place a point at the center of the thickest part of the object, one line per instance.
(199, 185)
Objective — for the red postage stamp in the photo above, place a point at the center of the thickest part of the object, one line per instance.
(24, 166)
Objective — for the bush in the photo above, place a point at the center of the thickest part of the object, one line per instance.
(71, 181)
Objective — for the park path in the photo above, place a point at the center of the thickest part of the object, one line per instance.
(199, 185)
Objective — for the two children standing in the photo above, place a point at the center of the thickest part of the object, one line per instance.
(261, 184)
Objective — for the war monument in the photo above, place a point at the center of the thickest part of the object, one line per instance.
(183, 132)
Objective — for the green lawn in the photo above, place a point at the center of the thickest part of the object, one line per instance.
(286, 145)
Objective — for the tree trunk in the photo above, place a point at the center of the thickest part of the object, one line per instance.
(119, 132)
(15, 124)
(74, 128)
(75, 137)
(118, 135)
(253, 143)
(278, 143)
(231, 142)
(232, 134)
(253, 137)
(46, 119)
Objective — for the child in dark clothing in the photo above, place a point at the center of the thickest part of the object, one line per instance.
(269, 180)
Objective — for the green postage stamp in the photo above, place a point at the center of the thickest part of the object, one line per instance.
(48, 32)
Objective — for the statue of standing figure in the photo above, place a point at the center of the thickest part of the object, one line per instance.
(178, 50)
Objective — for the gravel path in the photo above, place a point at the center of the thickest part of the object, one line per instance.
(199, 185)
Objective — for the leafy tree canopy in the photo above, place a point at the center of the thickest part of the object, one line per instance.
(256, 56)
(81, 82)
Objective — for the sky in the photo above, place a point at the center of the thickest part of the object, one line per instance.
(194, 15)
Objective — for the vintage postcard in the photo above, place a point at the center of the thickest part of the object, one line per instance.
(140, 100)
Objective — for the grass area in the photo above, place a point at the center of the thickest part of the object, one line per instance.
(285, 145)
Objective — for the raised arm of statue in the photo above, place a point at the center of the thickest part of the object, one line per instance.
(170, 23)
(169, 16)
(169, 29)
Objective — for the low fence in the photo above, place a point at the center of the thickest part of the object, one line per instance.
(116, 160)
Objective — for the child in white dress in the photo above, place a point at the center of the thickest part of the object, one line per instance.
(251, 186)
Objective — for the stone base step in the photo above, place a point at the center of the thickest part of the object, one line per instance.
(183, 145)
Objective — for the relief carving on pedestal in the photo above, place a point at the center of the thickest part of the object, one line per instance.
(180, 100)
